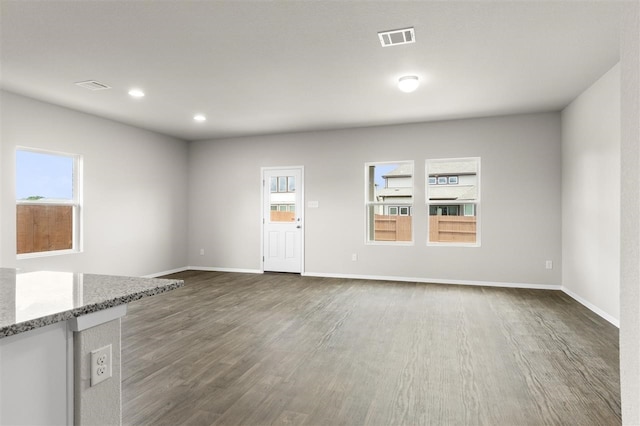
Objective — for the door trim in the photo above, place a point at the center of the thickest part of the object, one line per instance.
(263, 219)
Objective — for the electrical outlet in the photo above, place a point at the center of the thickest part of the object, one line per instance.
(549, 264)
(354, 257)
(100, 365)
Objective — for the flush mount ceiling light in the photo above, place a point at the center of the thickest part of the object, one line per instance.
(199, 118)
(136, 93)
(408, 83)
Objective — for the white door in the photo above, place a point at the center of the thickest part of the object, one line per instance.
(282, 219)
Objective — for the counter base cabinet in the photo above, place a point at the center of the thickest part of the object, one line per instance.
(36, 377)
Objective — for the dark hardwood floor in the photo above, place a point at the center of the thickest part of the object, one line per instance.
(283, 349)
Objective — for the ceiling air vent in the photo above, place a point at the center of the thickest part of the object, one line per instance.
(396, 37)
(93, 85)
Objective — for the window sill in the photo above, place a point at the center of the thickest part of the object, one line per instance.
(389, 243)
(46, 254)
(453, 244)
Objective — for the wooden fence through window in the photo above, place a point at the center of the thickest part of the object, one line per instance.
(44, 228)
(392, 228)
(452, 229)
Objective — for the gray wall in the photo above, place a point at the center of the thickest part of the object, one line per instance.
(630, 238)
(591, 196)
(135, 198)
(520, 207)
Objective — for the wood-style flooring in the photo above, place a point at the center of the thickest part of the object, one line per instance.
(283, 349)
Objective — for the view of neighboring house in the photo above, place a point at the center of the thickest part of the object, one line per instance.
(398, 188)
(452, 180)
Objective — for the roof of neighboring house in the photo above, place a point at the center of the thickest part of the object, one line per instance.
(453, 192)
(458, 167)
(394, 192)
(402, 170)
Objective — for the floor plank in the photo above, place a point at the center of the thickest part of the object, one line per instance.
(284, 349)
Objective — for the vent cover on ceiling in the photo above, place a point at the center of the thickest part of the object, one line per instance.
(93, 85)
(396, 37)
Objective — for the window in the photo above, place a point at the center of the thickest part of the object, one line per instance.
(388, 201)
(453, 202)
(282, 198)
(47, 202)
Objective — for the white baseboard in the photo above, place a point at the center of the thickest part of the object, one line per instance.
(436, 281)
(216, 269)
(592, 307)
(172, 271)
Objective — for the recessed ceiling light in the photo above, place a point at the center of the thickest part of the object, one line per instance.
(199, 118)
(136, 93)
(408, 83)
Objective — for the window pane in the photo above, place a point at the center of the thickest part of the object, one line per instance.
(447, 227)
(462, 172)
(282, 184)
(432, 180)
(388, 227)
(45, 191)
(452, 203)
(282, 202)
(391, 182)
(390, 185)
(291, 180)
(43, 176)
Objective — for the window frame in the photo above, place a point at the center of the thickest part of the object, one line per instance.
(372, 204)
(476, 203)
(75, 203)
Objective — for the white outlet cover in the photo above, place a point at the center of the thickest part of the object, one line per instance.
(100, 365)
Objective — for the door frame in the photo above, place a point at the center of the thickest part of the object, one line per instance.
(263, 219)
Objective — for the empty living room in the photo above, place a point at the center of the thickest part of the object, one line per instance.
(222, 212)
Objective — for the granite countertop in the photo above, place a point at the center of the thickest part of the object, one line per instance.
(29, 300)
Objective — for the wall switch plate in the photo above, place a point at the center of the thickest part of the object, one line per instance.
(549, 264)
(354, 257)
(201, 252)
(100, 365)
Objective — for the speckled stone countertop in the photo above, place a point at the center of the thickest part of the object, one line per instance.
(30, 300)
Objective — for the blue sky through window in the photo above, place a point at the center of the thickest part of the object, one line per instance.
(43, 175)
(381, 170)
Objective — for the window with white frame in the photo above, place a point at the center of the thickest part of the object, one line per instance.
(388, 201)
(47, 202)
(453, 201)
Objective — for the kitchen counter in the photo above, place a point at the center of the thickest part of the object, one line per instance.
(29, 300)
(51, 324)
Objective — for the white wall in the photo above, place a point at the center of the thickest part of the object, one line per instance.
(630, 238)
(135, 198)
(591, 196)
(521, 199)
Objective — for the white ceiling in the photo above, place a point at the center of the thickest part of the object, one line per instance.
(283, 66)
